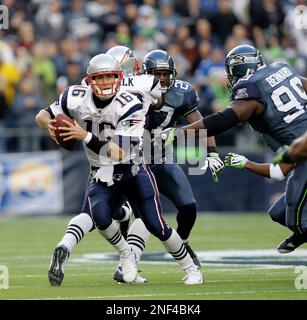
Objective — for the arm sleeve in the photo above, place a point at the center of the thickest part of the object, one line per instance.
(123, 142)
(95, 144)
(220, 122)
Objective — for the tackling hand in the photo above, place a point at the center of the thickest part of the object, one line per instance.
(215, 165)
(167, 137)
(234, 160)
(282, 155)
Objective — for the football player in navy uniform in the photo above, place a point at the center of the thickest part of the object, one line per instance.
(110, 122)
(272, 99)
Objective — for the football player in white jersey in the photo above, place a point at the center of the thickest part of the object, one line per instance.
(148, 89)
(109, 118)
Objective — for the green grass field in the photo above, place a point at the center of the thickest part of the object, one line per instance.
(252, 270)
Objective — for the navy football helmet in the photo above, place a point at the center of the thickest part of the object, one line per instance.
(159, 60)
(242, 61)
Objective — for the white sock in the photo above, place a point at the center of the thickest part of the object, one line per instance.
(127, 211)
(176, 248)
(77, 228)
(113, 235)
(137, 238)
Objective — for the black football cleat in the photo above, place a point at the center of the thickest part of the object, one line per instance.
(193, 255)
(292, 242)
(56, 268)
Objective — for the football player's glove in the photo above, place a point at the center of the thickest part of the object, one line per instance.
(234, 160)
(166, 137)
(282, 156)
(215, 164)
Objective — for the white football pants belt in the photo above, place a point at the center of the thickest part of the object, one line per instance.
(105, 174)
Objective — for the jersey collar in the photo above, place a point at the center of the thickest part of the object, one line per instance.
(100, 104)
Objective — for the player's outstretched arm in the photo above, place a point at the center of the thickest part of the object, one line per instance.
(238, 111)
(268, 170)
(213, 160)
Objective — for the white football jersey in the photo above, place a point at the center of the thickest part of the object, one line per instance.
(124, 116)
(145, 86)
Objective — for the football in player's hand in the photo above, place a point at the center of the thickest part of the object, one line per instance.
(69, 144)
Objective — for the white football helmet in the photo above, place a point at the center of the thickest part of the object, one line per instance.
(104, 65)
(125, 58)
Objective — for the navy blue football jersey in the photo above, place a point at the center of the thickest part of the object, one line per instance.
(279, 88)
(180, 100)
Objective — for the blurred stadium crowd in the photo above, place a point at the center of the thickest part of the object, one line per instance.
(48, 44)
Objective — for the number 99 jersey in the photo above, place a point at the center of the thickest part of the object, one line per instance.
(279, 88)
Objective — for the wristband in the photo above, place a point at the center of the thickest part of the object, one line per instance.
(212, 149)
(276, 173)
(88, 138)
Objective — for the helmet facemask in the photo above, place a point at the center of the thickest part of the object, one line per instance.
(241, 65)
(105, 84)
(166, 82)
(104, 75)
